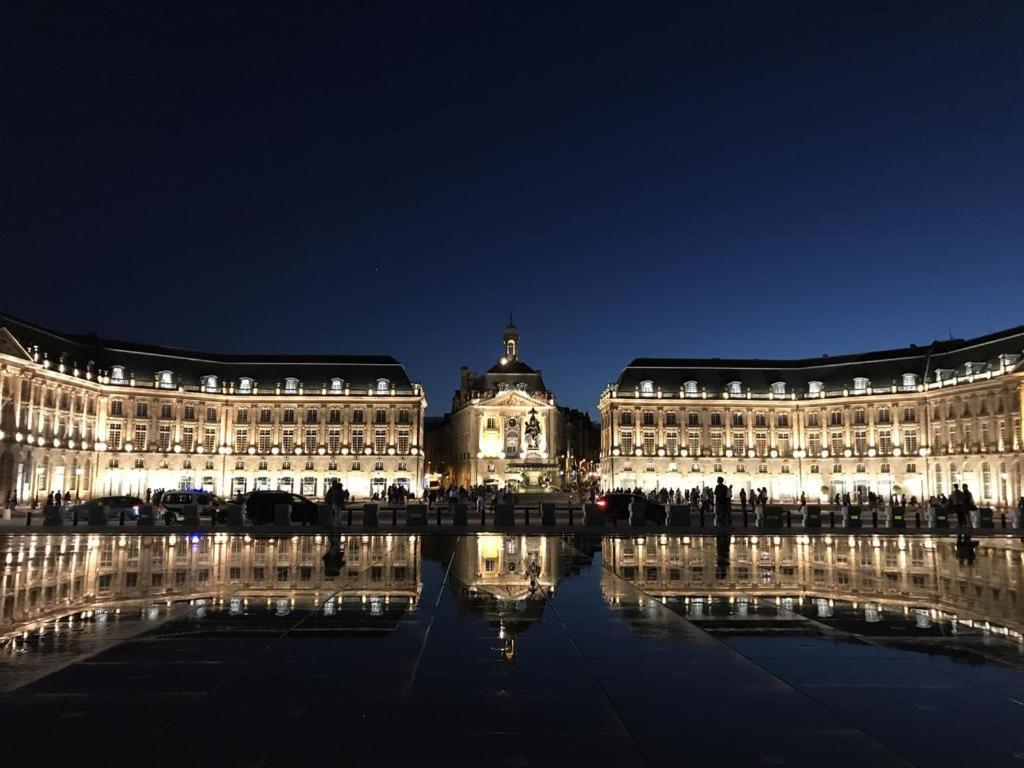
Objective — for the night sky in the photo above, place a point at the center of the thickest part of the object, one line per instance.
(771, 179)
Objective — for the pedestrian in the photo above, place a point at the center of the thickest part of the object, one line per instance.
(722, 514)
(67, 498)
(956, 501)
(49, 499)
(968, 504)
(743, 499)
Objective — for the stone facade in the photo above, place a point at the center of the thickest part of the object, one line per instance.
(503, 429)
(912, 420)
(98, 418)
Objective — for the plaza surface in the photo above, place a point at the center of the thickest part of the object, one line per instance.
(511, 649)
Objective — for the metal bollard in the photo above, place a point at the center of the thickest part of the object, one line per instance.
(789, 518)
(874, 519)
(120, 518)
(74, 517)
(28, 518)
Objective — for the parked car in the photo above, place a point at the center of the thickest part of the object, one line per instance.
(259, 506)
(616, 507)
(209, 506)
(115, 504)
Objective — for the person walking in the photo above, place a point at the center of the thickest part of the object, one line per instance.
(956, 501)
(968, 504)
(722, 513)
(743, 500)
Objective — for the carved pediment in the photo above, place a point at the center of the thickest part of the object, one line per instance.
(515, 398)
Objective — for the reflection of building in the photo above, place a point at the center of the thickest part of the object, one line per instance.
(912, 420)
(503, 428)
(49, 576)
(98, 417)
(906, 572)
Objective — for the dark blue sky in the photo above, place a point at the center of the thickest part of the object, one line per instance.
(771, 179)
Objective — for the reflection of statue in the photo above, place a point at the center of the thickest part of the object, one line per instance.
(533, 431)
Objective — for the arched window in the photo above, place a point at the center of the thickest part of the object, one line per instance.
(814, 387)
(690, 387)
(383, 385)
(521, 386)
(245, 385)
(336, 386)
(291, 385)
(779, 388)
(735, 388)
(165, 379)
(210, 383)
(117, 374)
(647, 389)
(861, 384)
(502, 386)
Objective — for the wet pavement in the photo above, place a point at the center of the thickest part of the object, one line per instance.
(512, 650)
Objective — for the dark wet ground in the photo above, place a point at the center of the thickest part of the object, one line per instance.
(511, 650)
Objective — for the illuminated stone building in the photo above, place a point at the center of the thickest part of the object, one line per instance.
(503, 428)
(913, 420)
(98, 417)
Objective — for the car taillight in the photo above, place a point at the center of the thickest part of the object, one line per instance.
(601, 502)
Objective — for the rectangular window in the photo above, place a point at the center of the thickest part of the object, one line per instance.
(693, 419)
(693, 442)
(241, 440)
(837, 443)
(264, 441)
(626, 443)
(648, 418)
(885, 441)
(189, 412)
(910, 442)
(142, 410)
(166, 411)
(716, 442)
(380, 416)
(357, 416)
(116, 408)
(288, 416)
(209, 439)
(164, 434)
(140, 437)
(334, 440)
(649, 443)
(380, 441)
(312, 416)
(785, 448)
(114, 437)
(357, 441)
(188, 439)
(814, 443)
(211, 414)
(909, 414)
(739, 443)
(403, 441)
(672, 443)
(403, 416)
(311, 441)
(288, 440)
(265, 416)
(813, 419)
(761, 443)
(242, 416)
(860, 441)
(671, 419)
(883, 416)
(334, 416)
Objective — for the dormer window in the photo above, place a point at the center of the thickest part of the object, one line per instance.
(735, 388)
(291, 385)
(779, 388)
(1007, 359)
(502, 386)
(910, 380)
(814, 388)
(690, 388)
(941, 374)
(972, 369)
(646, 389)
(117, 374)
(209, 383)
(336, 386)
(861, 384)
(245, 385)
(165, 379)
(521, 386)
(383, 385)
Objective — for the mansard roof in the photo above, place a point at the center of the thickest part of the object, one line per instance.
(881, 368)
(144, 361)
